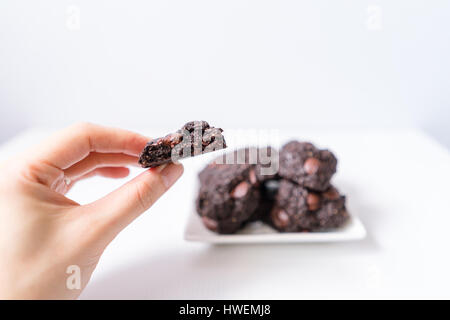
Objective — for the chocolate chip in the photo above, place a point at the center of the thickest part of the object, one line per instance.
(313, 201)
(280, 218)
(210, 223)
(331, 194)
(311, 165)
(173, 139)
(240, 190)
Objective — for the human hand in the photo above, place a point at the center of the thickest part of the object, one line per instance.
(42, 232)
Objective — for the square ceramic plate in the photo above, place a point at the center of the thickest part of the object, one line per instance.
(258, 232)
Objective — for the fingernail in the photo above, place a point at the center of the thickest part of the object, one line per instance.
(171, 173)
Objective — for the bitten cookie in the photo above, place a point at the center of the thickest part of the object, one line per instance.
(194, 138)
(304, 164)
(228, 196)
(299, 209)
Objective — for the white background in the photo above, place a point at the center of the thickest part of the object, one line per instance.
(235, 63)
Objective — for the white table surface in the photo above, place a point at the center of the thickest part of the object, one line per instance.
(397, 181)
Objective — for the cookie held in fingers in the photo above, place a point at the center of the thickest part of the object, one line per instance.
(194, 138)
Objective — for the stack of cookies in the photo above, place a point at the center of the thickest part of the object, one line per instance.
(289, 190)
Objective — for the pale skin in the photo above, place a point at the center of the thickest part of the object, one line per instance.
(42, 232)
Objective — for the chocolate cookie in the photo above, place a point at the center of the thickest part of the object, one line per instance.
(299, 209)
(332, 213)
(290, 209)
(263, 164)
(304, 164)
(194, 138)
(228, 196)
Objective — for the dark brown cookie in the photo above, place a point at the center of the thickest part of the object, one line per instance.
(290, 209)
(228, 196)
(332, 213)
(304, 164)
(194, 138)
(299, 209)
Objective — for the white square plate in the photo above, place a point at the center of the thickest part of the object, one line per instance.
(258, 232)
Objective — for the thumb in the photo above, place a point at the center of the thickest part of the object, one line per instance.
(118, 209)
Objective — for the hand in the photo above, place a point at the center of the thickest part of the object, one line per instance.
(43, 233)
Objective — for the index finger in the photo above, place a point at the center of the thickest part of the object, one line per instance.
(74, 143)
